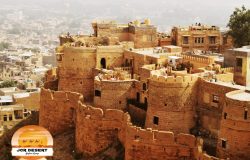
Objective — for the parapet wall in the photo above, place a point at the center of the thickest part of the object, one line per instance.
(57, 110)
(96, 129)
(228, 69)
(169, 81)
(110, 49)
(206, 60)
(73, 49)
(198, 62)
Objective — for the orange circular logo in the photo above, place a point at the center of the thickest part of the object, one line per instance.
(32, 143)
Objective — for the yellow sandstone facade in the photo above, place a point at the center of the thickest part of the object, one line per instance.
(202, 37)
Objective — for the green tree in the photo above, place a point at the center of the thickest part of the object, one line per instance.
(4, 45)
(239, 25)
(7, 84)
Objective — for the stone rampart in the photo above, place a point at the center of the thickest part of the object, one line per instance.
(178, 80)
(57, 110)
(198, 62)
(96, 129)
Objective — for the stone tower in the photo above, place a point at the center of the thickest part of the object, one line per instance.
(234, 137)
(171, 102)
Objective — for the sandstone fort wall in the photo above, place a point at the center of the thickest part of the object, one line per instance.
(57, 110)
(96, 129)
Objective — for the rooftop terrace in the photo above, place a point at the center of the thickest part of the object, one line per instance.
(158, 51)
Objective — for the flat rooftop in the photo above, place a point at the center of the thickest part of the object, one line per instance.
(149, 52)
(241, 96)
(21, 95)
(231, 85)
(155, 52)
(10, 89)
(242, 49)
(6, 99)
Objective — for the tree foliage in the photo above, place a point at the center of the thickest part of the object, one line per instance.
(4, 45)
(7, 84)
(239, 25)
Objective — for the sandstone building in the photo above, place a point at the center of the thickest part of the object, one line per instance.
(14, 108)
(202, 37)
(117, 85)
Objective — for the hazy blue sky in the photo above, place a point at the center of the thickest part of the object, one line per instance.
(161, 12)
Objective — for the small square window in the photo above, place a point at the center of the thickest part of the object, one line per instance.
(216, 99)
(156, 120)
(97, 93)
